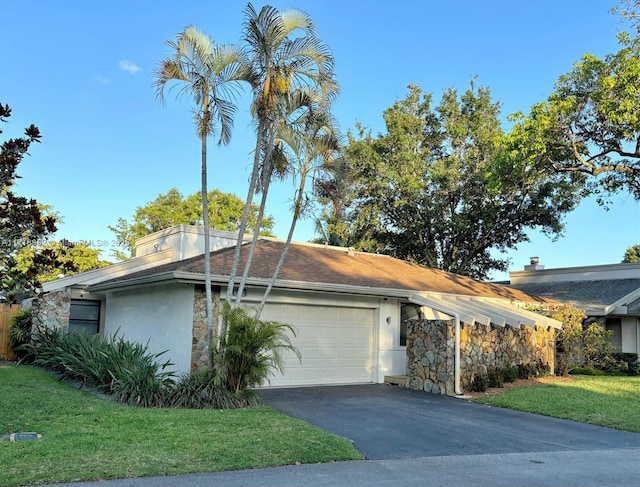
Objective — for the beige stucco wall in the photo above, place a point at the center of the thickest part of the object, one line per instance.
(160, 315)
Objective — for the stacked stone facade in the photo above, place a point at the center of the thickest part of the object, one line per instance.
(52, 310)
(431, 352)
(199, 346)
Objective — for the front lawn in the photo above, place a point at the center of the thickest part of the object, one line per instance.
(86, 438)
(606, 401)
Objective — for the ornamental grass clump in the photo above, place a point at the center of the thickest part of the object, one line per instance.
(113, 366)
(198, 390)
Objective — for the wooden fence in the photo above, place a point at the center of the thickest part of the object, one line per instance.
(7, 311)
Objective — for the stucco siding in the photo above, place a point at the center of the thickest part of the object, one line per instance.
(161, 315)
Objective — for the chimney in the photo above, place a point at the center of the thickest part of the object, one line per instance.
(534, 265)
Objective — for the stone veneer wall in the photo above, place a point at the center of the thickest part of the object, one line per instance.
(431, 352)
(199, 348)
(52, 310)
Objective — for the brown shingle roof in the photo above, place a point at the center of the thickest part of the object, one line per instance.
(331, 265)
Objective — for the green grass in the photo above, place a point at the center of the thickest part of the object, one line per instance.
(86, 438)
(606, 401)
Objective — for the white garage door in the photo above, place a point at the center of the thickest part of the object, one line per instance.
(336, 344)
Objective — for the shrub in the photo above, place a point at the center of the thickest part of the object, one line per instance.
(494, 378)
(543, 370)
(562, 368)
(113, 366)
(526, 370)
(479, 383)
(198, 390)
(251, 349)
(578, 370)
(632, 361)
(20, 331)
(510, 373)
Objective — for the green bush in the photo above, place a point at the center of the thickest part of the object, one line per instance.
(20, 327)
(632, 361)
(250, 350)
(494, 378)
(479, 383)
(510, 373)
(577, 370)
(198, 390)
(112, 366)
(543, 370)
(526, 370)
(562, 368)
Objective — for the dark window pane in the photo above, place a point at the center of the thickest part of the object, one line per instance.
(84, 316)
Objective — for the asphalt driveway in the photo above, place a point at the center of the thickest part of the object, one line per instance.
(389, 422)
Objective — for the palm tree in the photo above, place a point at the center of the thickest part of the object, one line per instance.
(251, 350)
(209, 75)
(309, 142)
(277, 64)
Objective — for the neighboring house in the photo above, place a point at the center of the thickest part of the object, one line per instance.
(609, 294)
(351, 311)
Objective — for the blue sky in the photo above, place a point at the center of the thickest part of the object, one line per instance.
(82, 71)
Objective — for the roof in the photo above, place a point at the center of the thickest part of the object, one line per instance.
(317, 266)
(594, 296)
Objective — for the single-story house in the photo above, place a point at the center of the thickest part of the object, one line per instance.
(608, 294)
(359, 317)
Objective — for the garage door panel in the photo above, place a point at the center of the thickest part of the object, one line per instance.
(336, 344)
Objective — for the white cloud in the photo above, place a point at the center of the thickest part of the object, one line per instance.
(129, 67)
(103, 80)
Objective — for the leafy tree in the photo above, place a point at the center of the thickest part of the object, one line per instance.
(208, 74)
(443, 188)
(22, 222)
(590, 124)
(632, 254)
(277, 65)
(332, 190)
(172, 208)
(70, 259)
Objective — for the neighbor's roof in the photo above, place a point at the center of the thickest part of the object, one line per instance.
(318, 265)
(589, 296)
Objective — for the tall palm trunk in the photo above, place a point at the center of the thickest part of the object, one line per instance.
(245, 217)
(266, 177)
(297, 209)
(207, 253)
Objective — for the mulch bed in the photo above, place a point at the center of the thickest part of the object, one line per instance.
(496, 391)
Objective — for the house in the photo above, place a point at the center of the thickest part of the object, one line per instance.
(608, 294)
(358, 317)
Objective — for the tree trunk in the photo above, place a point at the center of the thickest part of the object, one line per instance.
(245, 218)
(207, 254)
(268, 170)
(297, 207)
(254, 240)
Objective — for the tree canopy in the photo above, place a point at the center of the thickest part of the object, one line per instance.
(172, 208)
(71, 258)
(442, 188)
(632, 254)
(22, 221)
(590, 124)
